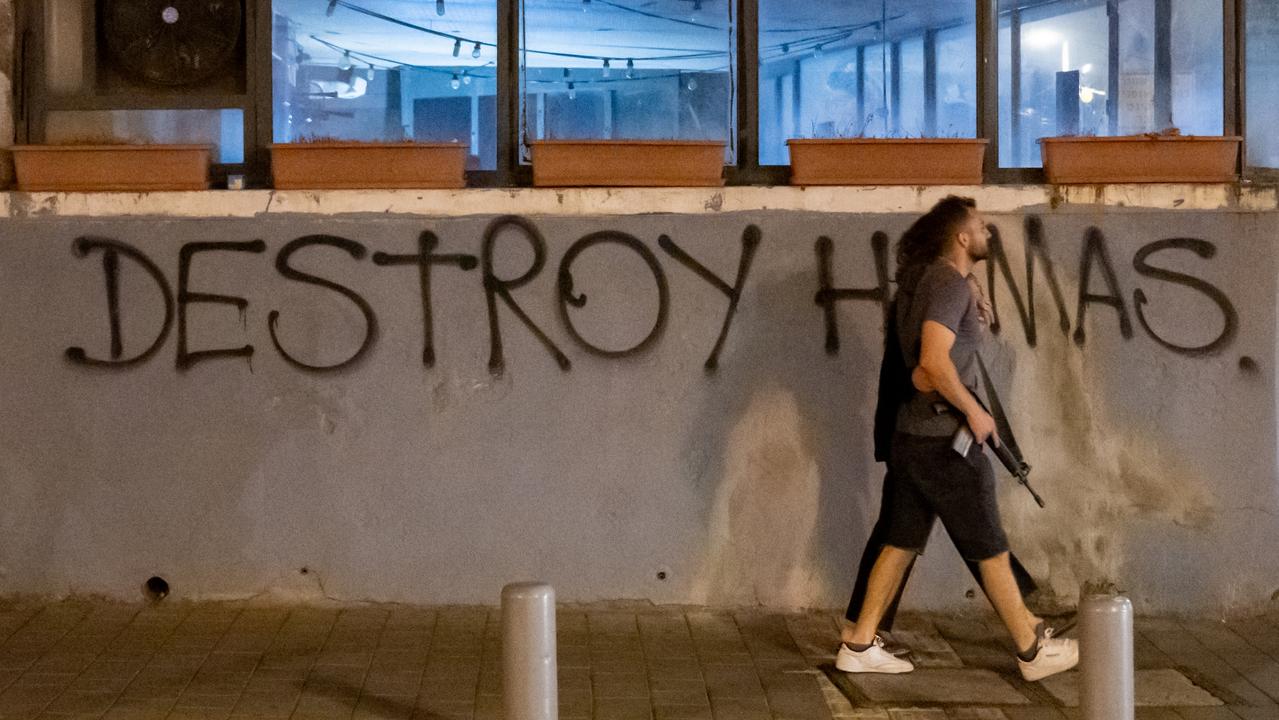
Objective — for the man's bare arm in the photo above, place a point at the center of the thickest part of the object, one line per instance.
(937, 372)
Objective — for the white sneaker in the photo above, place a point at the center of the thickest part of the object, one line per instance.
(1055, 655)
(874, 659)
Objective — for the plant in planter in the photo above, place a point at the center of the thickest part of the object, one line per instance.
(849, 158)
(1166, 156)
(635, 163)
(329, 163)
(99, 164)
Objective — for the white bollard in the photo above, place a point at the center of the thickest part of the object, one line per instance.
(1105, 658)
(529, 677)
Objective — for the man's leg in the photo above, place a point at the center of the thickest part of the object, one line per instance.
(861, 651)
(878, 538)
(855, 603)
(962, 488)
(1037, 656)
(905, 520)
(1001, 588)
(1025, 583)
(884, 580)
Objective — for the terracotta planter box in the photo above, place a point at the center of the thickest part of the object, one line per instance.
(636, 163)
(1140, 159)
(125, 168)
(354, 165)
(886, 161)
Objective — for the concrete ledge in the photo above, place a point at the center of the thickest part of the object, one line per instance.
(634, 201)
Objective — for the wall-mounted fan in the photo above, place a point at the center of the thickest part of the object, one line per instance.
(171, 42)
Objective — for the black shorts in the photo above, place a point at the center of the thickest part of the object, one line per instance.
(935, 481)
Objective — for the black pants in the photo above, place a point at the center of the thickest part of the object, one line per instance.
(876, 543)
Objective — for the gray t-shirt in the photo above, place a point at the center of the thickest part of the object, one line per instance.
(944, 296)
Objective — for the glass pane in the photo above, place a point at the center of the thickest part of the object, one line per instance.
(1071, 81)
(1263, 84)
(610, 70)
(387, 70)
(957, 81)
(868, 68)
(64, 46)
(223, 129)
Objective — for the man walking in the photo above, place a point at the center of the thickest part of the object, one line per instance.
(942, 320)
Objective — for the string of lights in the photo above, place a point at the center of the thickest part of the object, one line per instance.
(836, 33)
(466, 75)
(697, 7)
(693, 23)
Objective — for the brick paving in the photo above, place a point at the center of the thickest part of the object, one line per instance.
(77, 660)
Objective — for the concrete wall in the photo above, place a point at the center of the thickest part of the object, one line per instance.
(392, 480)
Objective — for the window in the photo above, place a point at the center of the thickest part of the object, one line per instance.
(605, 69)
(874, 69)
(495, 75)
(1106, 67)
(387, 70)
(104, 73)
(1263, 84)
(222, 129)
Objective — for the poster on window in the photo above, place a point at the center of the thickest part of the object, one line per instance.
(1136, 103)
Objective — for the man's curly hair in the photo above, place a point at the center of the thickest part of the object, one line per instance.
(926, 238)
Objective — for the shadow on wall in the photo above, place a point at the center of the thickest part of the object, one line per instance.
(789, 438)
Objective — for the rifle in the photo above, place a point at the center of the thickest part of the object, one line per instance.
(1007, 451)
(1020, 469)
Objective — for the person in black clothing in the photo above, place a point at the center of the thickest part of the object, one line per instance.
(942, 321)
(895, 389)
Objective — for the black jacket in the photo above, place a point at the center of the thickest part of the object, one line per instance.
(895, 387)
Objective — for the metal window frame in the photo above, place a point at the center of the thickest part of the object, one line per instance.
(988, 100)
(1239, 34)
(1233, 91)
(33, 102)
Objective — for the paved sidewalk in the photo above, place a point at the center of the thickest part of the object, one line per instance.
(213, 661)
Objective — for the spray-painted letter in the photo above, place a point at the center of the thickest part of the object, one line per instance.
(187, 358)
(111, 252)
(355, 250)
(827, 295)
(1205, 250)
(424, 259)
(750, 242)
